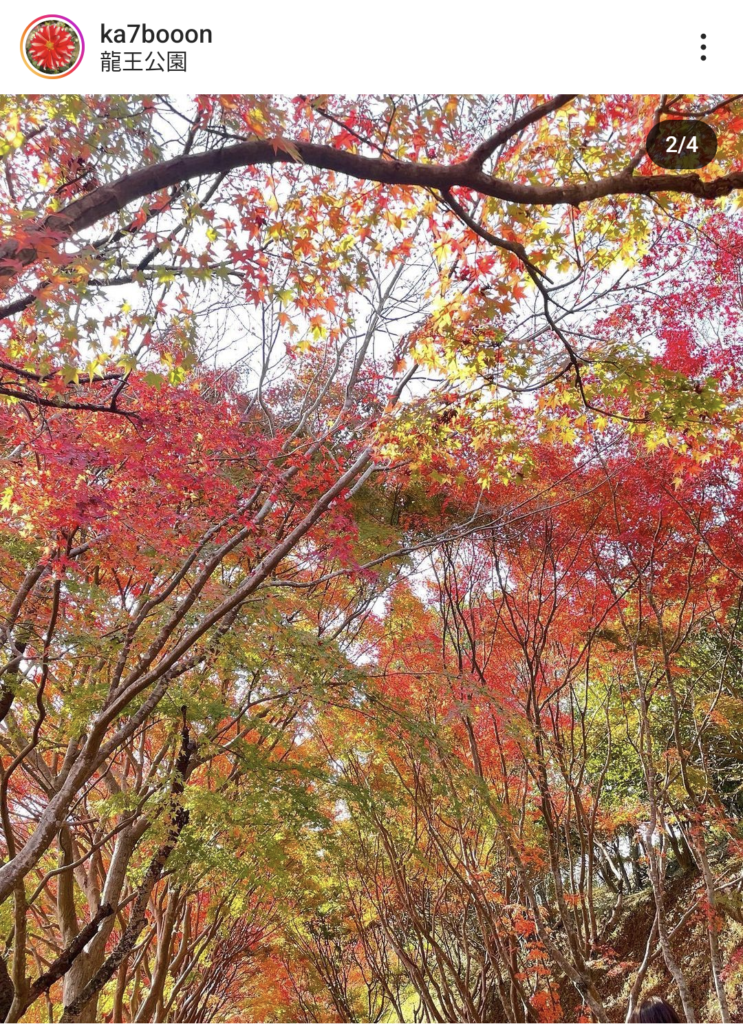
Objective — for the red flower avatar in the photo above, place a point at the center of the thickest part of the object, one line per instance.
(51, 47)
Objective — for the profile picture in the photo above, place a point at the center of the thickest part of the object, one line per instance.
(52, 46)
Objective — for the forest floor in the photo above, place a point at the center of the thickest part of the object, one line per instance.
(690, 946)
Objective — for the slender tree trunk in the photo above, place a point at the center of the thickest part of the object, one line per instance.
(138, 918)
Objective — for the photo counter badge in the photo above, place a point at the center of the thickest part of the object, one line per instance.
(52, 46)
(681, 144)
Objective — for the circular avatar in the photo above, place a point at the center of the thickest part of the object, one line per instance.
(52, 46)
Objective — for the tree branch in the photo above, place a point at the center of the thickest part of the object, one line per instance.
(57, 969)
(178, 820)
(487, 148)
(110, 199)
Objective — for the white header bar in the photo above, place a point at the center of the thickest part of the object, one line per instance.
(339, 46)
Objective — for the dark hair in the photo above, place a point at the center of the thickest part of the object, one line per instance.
(655, 1009)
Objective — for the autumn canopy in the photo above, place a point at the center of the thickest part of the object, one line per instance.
(371, 560)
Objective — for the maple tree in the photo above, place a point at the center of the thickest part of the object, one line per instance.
(370, 558)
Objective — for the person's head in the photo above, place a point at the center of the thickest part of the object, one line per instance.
(655, 1009)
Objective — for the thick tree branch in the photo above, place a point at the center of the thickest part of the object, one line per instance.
(110, 199)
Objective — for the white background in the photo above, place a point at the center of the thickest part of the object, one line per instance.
(404, 45)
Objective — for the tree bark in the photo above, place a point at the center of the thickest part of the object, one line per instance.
(138, 919)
